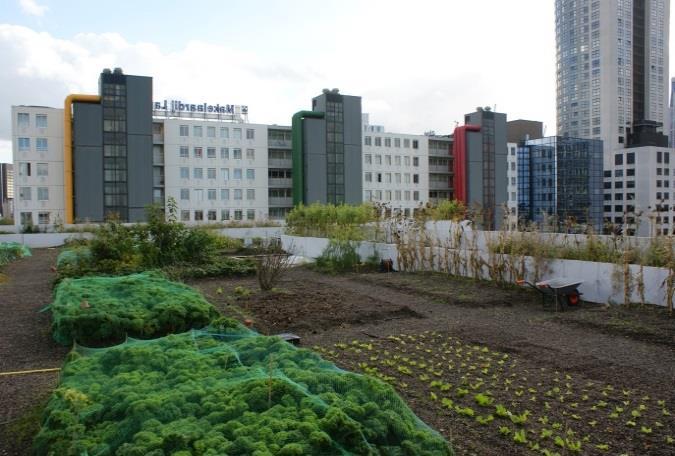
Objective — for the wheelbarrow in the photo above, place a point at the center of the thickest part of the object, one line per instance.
(561, 292)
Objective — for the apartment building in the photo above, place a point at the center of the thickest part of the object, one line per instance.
(6, 190)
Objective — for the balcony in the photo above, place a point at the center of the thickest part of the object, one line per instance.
(279, 182)
(158, 138)
(281, 202)
(439, 152)
(279, 143)
(442, 169)
(433, 185)
(280, 163)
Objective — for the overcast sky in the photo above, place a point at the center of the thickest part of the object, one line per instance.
(418, 65)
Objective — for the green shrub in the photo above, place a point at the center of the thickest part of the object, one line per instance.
(218, 267)
(10, 251)
(233, 393)
(339, 256)
(328, 220)
(100, 310)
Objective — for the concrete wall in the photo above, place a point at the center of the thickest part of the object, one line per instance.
(43, 240)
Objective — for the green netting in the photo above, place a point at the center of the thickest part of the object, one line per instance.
(73, 257)
(11, 251)
(104, 310)
(224, 391)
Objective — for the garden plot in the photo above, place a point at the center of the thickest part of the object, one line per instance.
(514, 406)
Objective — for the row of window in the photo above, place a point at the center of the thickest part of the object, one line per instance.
(368, 160)
(40, 144)
(198, 132)
(386, 178)
(212, 194)
(198, 152)
(376, 195)
(27, 169)
(368, 141)
(26, 193)
(212, 215)
(27, 218)
(23, 120)
(198, 173)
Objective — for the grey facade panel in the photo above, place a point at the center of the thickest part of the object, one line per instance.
(88, 183)
(88, 162)
(139, 105)
(316, 186)
(139, 175)
(501, 180)
(353, 173)
(352, 120)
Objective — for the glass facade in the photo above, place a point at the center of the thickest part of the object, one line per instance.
(561, 177)
(114, 104)
(335, 154)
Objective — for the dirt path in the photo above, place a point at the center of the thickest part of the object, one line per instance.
(25, 343)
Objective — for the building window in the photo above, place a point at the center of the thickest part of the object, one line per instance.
(184, 172)
(379, 177)
(236, 154)
(630, 172)
(212, 216)
(250, 174)
(211, 173)
(406, 144)
(237, 173)
(416, 178)
(225, 172)
(250, 154)
(224, 132)
(397, 178)
(41, 144)
(397, 160)
(211, 132)
(224, 214)
(237, 194)
(23, 119)
(406, 195)
(185, 194)
(210, 152)
(387, 160)
(397, 195)
(224, 153)
(416, 195)
(197, 131)
(238, 215)
(199, 152)
(224, 194)
(387, 179)
(237, 133)
(369, 177)
(406, 178)
(397, 142)
(24, 144)
(659, 157)
(198, 173)
(211, 194)
(250, 133)
(666, 157)
(43, 218)
(42, 169)
(378, 141)
(199, 216)
(630, 158)
(618, 159)
(378, 159)
(416, 161)
(24, 169)
(26, 218)
(250, 194)
(387, 142)
(25, 194)
(368, 195)
(415, 144)
(199, 194)
(184, 130)
(367, 140)
(368, 159)
(184, 216)
(184, 152)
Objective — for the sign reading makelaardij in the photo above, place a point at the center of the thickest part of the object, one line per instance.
(180, 106)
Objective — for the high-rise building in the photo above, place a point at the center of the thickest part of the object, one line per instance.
(671, 135)
(612, 71)
(479, 165)
(560, 182)
(6, 190)
(327, 152)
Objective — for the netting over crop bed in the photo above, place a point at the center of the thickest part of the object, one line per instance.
(73, 257)
(225, 390)
(104, 310)
(11, 251)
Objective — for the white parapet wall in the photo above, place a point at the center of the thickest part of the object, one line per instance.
(42, 240)
(601, 282)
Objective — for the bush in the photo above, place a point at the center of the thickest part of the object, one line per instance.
(328, 220)
(219, 267)
(230, 392)
(338, 256)
(10, 251)
(101, 310)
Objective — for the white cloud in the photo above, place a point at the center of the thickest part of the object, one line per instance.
(32, 7)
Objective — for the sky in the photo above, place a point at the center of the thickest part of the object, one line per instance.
(419, 65)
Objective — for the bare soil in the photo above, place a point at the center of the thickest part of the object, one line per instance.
(628, 348)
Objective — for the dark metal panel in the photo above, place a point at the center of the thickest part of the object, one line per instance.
(140, 183)
(139, 105)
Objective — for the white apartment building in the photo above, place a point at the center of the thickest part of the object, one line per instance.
(612, 68)
(395, 169)
(37, 149)
(640, 190)
(214, 170)
(512, 184)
